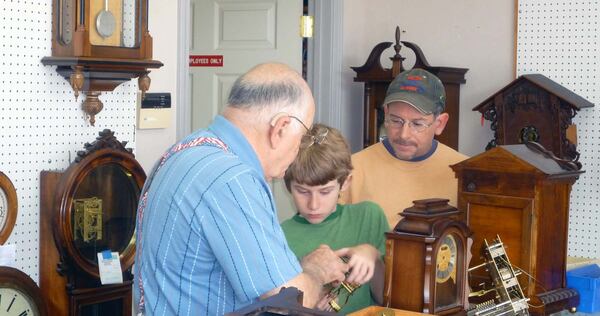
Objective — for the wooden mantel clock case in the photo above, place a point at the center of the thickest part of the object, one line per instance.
(87, 209)
(99, 44)
(521, 193)
(426, 260)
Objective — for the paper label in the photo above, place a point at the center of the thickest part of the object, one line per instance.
(110, 267)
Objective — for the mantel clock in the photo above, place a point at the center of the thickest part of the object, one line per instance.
(434, 280)
(99, 44)
(87, 209)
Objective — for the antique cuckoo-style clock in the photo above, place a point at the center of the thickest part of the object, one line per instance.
(434, 280)
(534, 108)
(99, 44)
(85, 210)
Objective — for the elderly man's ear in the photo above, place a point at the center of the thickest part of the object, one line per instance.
(278, 129)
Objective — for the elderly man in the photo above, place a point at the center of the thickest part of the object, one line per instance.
(209, 241)
(409, 164)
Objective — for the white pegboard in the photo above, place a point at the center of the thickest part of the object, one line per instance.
(559, 39)
(41, 124)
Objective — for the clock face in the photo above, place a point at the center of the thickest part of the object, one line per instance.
(446, 260)
(15, 302)
(3, 208)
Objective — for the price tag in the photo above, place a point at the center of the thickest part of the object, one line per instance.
(110, 267)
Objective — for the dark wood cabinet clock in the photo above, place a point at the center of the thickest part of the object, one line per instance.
(19, 295)
(99, 44)
(8, 207)
(433, 281)
(534, 108)
(87, 209)
(521, 193)
(377, 79)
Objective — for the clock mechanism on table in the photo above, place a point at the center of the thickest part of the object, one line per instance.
(507, 295)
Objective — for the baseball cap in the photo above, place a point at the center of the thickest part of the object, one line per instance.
(419, 88)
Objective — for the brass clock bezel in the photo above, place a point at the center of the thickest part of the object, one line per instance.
(452, 260)
(11, 213)
(16, 279)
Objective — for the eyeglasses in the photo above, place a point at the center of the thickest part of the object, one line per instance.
(414, 126)
(315, 136)
(300, 121)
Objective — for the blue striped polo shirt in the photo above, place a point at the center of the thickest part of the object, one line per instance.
(209, 240)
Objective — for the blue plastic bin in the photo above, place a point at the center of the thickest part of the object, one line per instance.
(587, 281)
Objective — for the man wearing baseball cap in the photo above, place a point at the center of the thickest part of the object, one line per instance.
(409, 164)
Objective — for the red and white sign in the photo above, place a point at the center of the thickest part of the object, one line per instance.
(206, 60)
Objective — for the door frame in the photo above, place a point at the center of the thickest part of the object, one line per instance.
(324, 62)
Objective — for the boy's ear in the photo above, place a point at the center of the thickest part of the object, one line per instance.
(346, 183)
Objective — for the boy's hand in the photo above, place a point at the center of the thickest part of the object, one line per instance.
(362, 259)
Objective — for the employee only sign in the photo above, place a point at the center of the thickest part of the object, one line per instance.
(206, 60)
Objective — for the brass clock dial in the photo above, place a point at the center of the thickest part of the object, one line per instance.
(446, 260)
(8, 207)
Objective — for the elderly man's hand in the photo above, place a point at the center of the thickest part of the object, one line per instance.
(324, 265)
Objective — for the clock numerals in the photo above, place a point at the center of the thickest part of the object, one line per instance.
(11, 303)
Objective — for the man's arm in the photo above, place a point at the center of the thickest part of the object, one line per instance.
(320, 267)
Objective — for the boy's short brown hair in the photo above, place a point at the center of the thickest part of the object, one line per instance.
(324, 155)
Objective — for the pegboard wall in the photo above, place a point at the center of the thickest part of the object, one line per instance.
(559, 39)
(41, 124)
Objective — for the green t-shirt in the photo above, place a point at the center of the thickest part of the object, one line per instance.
(350, 225)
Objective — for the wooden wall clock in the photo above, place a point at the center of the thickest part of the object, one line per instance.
(99, 44)
(87, 209)
(8, 207)
(433, 281)
(19, 295)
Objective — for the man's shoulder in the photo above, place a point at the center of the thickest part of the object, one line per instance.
(450, 154)
(367, 153)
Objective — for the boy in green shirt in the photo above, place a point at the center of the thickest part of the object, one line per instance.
(315, 179)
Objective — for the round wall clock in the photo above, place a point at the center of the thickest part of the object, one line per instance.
(8, 207)
(19, 295)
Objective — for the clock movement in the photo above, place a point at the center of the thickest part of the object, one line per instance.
(99, 44)
(87, 209)
(434, 280)
(8, 207)
(19, 295)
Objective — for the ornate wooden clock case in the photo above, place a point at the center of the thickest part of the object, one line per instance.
(433, 281)
(521, 193)
(89, 208)
(99, 44)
